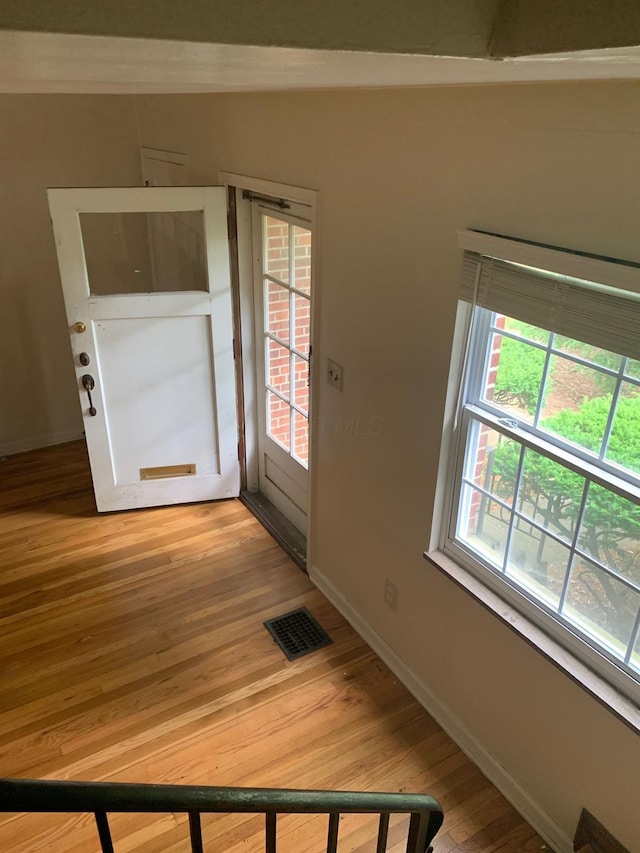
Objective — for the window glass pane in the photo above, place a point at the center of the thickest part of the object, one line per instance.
(635, 657)
(301, 438)
(633, 368)
(492, 465)
(302, 323)
(576, 404)
(492, 461)
(483, 525)
(276, 248)
(144, 252)
(513, 376)
(278, 367)
(277, 310)
(496, 463)
(624, 442)
(301, 383)
(601, 606)
(279, 420)
(537, 562)
(302, 259)
(610, 531)
(591, 353)
(524, 330)
(550, 494)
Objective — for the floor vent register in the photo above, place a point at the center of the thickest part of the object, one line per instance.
(297, 633)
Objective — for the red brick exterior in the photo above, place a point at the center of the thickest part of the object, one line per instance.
(287, 372)
(482, 456)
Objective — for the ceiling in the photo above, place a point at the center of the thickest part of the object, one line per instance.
(47, 62)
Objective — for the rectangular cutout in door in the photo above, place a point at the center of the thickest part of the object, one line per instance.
(144, 252)
(162, 471)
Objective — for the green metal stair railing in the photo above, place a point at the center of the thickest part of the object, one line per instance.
(101, 798)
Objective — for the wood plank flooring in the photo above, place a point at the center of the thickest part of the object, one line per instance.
(132, 649)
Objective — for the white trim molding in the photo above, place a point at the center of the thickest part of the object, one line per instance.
(37, 442)
(606, 694)
(530, 810)
(271, 188)
(624, 275)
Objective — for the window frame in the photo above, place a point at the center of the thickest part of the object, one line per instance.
(450, 555)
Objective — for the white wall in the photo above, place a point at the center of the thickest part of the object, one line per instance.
(47, 141)
(398, 172)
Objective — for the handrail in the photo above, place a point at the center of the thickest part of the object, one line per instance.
(42, 795)
(33, 795)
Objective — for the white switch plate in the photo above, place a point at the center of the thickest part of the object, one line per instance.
(334, 374)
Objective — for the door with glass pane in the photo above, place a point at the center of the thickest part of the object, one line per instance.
(282, 280)
(146, 283)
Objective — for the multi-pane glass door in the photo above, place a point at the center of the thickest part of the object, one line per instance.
(287, 300)
(283, 300)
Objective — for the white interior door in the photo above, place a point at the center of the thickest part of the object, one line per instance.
(282, 289)
(154, 349)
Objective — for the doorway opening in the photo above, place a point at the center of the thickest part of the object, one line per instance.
(274, 234)
(225, 280)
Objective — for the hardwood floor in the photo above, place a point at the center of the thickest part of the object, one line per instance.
(132, 649)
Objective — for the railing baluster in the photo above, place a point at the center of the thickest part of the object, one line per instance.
(383, 831)
(195, 831)
(434, 822)
(104, 832)
(412, 835)
(332, 834)
(417, 837)
(270, 832)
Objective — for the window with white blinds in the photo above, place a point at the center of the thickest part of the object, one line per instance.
(544, 502)
(595, 313)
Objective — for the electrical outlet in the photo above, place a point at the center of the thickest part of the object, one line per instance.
(391, 595)
(334, 374)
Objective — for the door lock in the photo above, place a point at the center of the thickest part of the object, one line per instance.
(84, 359)
(79, 327)
(88, 384)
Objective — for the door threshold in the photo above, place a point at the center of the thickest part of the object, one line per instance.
(279, 526)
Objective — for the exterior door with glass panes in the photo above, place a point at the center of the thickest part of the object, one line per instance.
(282, 281)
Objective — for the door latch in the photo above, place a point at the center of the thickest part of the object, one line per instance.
(88, 384)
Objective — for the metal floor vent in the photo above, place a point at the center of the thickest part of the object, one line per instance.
(297, 633)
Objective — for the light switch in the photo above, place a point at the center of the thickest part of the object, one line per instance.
(334, 374)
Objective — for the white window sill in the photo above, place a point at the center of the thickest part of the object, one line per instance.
(619, 705)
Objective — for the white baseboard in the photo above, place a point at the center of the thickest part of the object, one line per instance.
(38, 441)
(459, 733)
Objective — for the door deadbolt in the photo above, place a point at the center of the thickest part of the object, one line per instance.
(79, 327)
(84, 358)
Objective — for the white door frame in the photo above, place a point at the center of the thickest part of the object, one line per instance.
(239, 183)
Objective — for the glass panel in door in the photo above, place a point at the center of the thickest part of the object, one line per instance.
(150, 252)
(287, 333)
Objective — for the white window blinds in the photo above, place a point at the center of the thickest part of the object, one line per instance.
(598, 314)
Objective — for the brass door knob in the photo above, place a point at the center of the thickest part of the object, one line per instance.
(79, 327)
